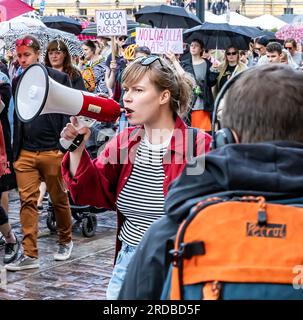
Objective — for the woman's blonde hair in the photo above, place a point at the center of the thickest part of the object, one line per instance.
(165, 77)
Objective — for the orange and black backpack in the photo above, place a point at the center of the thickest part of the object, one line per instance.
(89, 78)
(242, 247)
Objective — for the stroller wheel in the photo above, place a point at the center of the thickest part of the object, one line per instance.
(89, 225)
(51, 221)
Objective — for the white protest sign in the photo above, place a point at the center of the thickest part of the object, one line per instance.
(111, 22)
(160, 40)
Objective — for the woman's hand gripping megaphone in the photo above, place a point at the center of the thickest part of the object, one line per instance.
(75, 134)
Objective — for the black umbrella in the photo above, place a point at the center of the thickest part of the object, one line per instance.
(163, 16)
(219, 35)
(63, 23)
(269, 34)
(256, 32)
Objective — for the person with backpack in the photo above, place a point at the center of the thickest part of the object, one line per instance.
(132, 174)
(262, 155)
(94, 69)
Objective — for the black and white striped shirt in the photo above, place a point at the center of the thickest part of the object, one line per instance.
(141, 200)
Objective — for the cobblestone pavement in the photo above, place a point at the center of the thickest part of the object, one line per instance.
(85, 276)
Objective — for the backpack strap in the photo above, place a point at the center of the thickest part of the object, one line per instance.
(192, 142)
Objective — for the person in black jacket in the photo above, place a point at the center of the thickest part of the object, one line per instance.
(57, 56)
(8, 179)
(267, 158)
(203, 101)
(37, 157)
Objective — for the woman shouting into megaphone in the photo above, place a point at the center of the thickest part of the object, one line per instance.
(133, 172)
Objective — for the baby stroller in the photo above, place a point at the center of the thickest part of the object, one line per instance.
(85, 216)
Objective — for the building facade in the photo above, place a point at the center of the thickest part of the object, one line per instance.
(88, 7)
(251, 8)
(254, 8)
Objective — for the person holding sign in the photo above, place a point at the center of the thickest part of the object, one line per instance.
(115, 63)
(133, 173)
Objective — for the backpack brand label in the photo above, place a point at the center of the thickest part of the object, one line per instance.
(268, 231)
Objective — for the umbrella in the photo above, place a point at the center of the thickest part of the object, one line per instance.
(255, 32)
(288, 18)
(294, 31)
(63, 23)
(267, 21)
(164, 16)
(83, 37)
(237, 19)
(44, 35)
(19, 23)
(219, 35)
(13, 8)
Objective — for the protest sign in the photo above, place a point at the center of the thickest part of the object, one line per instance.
(160, 40)
(111, 22)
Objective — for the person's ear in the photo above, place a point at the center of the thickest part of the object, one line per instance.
(165, 97)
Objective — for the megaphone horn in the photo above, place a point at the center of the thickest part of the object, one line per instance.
(38, 94)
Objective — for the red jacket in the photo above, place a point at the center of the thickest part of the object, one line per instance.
(98, 182)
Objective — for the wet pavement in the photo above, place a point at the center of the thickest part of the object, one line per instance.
(84, 276)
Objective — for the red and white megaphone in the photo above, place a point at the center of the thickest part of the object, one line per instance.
(38, 94)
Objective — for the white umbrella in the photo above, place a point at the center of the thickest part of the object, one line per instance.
(267, 21)
(237, 19)
(214, 18)
(19, 23)
(29, 21)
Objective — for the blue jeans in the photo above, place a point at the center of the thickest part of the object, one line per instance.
(119, 272)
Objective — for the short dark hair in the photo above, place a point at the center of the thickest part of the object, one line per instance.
(144, 50)
(263, 41)
(90, 44)
(274, 47)
(201, 43)
(265, 104)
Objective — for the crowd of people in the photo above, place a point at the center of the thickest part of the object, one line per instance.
(167, 107)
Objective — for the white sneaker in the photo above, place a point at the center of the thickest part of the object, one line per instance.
(64, 251)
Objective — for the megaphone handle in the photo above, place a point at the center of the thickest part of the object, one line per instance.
(71, 145)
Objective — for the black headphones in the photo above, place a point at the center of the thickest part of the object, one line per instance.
(222, 136)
